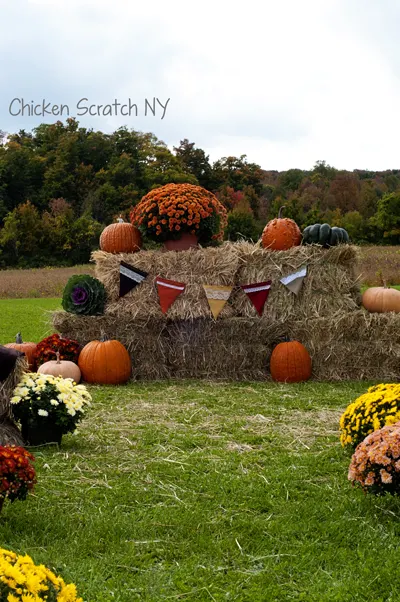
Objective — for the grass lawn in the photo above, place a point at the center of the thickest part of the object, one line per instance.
(199, 491)
(28, 316)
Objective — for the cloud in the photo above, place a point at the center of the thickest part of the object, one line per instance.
(286, 83)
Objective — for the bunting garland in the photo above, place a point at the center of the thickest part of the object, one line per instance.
(294, 281)
(168, 291)
(129, 278)
(217, 297)
(258, 294)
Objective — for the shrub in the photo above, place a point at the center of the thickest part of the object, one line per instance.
(379, 407)
(167, 212)
(41, 399)
(21, 580)
(375, 465)
(47, 348)
(17, 475)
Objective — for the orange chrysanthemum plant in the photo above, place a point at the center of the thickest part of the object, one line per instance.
(167, 212)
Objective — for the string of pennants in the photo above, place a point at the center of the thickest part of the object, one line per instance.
(217, 296)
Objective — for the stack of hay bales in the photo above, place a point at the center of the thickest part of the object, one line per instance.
(326, 316)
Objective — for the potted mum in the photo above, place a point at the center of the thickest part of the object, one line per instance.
(48, 407)
(180, 216)
(21, 579)
(17, 475)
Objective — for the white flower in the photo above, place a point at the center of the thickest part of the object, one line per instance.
(15, 399)
(24, 392)
(43, 413)
(54, 402)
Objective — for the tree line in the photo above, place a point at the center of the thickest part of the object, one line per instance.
(61, 184)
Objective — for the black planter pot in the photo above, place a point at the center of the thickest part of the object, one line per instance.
(40, 435)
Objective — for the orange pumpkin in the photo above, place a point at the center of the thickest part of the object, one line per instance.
(28, 348)
(120, 238)
(281, 233)
(381, 299)
(105, 362)
(290, 363)
(63, 368)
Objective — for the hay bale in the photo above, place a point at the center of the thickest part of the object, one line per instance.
(351, 346)
(331, 284)
(9, 432)
(330, 287)
(194, 267)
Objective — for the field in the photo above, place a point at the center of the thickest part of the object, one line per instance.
(198, 491)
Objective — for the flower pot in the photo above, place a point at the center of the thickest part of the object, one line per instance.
(185, 242)
(40, 435)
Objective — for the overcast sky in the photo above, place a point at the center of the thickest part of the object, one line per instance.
(286, 82)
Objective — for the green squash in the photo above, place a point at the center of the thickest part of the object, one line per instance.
(324, 235)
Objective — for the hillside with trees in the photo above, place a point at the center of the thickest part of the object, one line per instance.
(61, 184)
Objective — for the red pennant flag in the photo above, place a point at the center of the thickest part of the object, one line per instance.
(168, 291)
(258, 294)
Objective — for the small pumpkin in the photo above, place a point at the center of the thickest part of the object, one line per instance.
(105, 362)
(62, 368)
(290, 363)
(323, 234)
(381, 299)
(281, 233)
(28, 348)
(120, 238)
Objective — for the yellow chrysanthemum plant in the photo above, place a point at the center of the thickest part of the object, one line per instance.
(42, 401)
(23, 581)
(377, 408)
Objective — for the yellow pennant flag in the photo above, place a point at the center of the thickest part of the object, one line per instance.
(217, 297)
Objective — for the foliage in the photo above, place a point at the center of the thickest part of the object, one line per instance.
(17, 475)
(379, 407)
(375, 464)
(84, 295)
(46, 350)
(42, 399)
(101, 175)
(241, 224)
(23, 581)
(166, 212)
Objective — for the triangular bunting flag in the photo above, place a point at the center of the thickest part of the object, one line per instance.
(258, 294)
(129, 277)
(217, 297)
(168, 291)
(294, 281)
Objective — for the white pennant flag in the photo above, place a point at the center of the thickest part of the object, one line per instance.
(294, 281)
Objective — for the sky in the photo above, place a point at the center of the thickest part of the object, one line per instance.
(285, 83)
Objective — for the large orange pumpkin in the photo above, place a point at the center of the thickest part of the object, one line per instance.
(281, 233)
(290, 363)
(120, 238)
(105, 362)
(28, 348)
(381, 299)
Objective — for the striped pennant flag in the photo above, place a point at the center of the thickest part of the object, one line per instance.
(217, 297)
(294, 281)
(258, 294)
(129, 278)
(168, 291)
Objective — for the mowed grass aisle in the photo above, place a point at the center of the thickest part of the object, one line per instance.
(199, 491)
